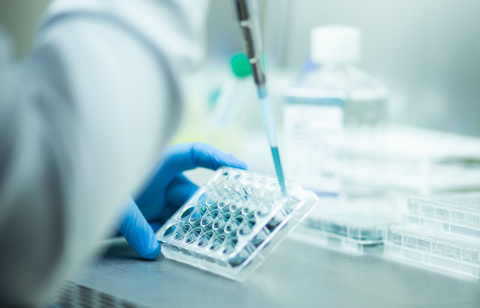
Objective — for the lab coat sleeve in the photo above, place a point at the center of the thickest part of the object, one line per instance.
(82, 122)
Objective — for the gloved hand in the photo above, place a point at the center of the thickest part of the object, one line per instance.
(166, 192)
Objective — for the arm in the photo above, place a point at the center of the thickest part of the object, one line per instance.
(84, 119)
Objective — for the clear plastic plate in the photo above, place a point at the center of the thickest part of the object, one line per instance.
(359, 226)
(314, 236)
(233, 222)
(453, 213)
(430, 249)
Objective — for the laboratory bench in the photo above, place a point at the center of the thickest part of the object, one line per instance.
(297, 274)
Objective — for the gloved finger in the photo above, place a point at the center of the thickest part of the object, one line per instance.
(189, 156)
(138, 232)
(179, 191)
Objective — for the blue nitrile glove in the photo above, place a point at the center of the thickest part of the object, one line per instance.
(166, 192)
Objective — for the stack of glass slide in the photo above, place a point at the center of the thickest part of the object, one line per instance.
(355, 226)
(233, 222)
(442, 232)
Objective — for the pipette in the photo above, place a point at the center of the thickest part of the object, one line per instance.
(247, 16)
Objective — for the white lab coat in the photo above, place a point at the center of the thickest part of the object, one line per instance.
(82, 122)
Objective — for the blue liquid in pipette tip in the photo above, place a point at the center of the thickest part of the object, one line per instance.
(269, 124)
(278, 169)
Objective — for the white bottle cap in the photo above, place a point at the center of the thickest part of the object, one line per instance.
(335, 44)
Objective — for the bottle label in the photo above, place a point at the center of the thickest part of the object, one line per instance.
(312, 134)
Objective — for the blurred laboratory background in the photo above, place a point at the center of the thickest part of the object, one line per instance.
(426, 52)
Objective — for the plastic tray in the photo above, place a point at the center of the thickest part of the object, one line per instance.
(454, 213)
(233, 222)
(314, 236)
(357, 226)
(426, 248)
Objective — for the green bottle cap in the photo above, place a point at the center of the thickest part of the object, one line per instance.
(240, 65)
